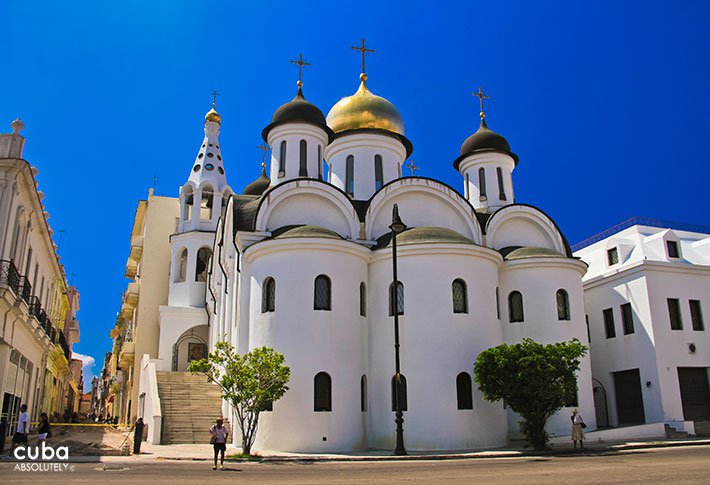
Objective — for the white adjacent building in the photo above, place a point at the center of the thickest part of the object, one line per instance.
(645, 291)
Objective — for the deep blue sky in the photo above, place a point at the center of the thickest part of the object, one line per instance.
(606, 103)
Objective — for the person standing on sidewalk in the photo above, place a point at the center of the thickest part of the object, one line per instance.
(23, 428)
(219, 441)
(43, 432)
(577, 429)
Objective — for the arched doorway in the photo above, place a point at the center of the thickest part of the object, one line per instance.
(600, 404)
(192, 345)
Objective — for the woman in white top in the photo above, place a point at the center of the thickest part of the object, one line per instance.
(219, 441)
(577, 429)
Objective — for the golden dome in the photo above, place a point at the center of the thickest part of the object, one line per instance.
(365, 110)
(212, 115)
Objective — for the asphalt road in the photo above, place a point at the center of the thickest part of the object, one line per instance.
(661, 465)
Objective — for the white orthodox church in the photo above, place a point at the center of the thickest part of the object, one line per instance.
(301, 261)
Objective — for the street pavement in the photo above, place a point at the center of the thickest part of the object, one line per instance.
(681, 464)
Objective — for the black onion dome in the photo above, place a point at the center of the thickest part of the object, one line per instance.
(258, 186)
(296, 110)
(484, 140)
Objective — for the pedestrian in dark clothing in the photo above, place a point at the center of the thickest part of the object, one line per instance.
(219, 441)
(44, 430)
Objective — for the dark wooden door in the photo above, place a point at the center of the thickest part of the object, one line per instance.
(694, 393)
(629, 400)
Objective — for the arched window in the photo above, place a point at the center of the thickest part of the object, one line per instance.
(206, 203)
(460, 297)
(349, 175)
(378, 172)
(320, 163)
(465, 187)
(363, 299)
(187, 204)
(322, 392)
(402, 388)
(303, 160)
(282, 159)
(515, 306)
(562, 305)
(464, 391)
(497, 303)
(182, 267)
(363, 393)
(203, 261)
(482, 182)
(321, 293)
(268, 295)
(399, 298)
(501, 190)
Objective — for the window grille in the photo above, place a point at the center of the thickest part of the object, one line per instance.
(674, 314)
(321, 300)
(458, 290)
(609, 323)
(400, 298)
(627, 318)
(562, 305)
(515, 307)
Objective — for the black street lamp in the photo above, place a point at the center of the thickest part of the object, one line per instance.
(396, 227)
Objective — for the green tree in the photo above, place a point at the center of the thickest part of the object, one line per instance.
(535, 380)
(251, 383)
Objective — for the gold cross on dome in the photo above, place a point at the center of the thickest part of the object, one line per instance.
(363, 50)
(481, 97)
(300, 62)
(264, 148)
(214, 97)
(412, 167)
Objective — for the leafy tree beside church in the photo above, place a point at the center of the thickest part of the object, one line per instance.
(535, 380)
(250, 383)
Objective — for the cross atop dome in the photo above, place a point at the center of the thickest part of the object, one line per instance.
(300, 62)
(481, 97)
(212, 114)
(363, 51)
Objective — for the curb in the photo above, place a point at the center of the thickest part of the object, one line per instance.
(453, 456)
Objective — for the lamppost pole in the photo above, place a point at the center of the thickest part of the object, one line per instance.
(396, 227)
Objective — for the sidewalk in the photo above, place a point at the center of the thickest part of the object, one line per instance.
(203, 452)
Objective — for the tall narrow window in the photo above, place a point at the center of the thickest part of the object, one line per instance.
(696, 315)
(28, 263)
(363, 300)
(465, 187)
(322, 393)
(206, 203)
(203, 261)
(627, 318)
(402, 390)
(515, 307)
(609, 327)
(268, 296)
(303, 159)
(321, 296)
(182, 267)
(464, 391)
(674, 314)
(399, 298)
(612, 256)
(282, 159)
(187, 204)
(501, 189)
(349, 180)
(320, 163)
(562, 305)
(673, 249)
(459, 295)
(399, 170)
(497, 303)
(589, 334)
(378, 172)
(482, 182)
(363, 393)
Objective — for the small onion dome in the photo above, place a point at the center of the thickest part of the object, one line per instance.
(365, 110)
(212, 115)
(295, 111)
(258, 186)
(484, 140)
(17, 126)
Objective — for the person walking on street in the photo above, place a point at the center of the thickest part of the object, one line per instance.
(44, 431)
(219, 441)
(23, 428)
(577, 429)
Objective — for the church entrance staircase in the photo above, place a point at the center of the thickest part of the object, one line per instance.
(190, 405)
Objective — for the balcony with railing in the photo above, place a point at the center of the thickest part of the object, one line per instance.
(25, 289)
(9, 276)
